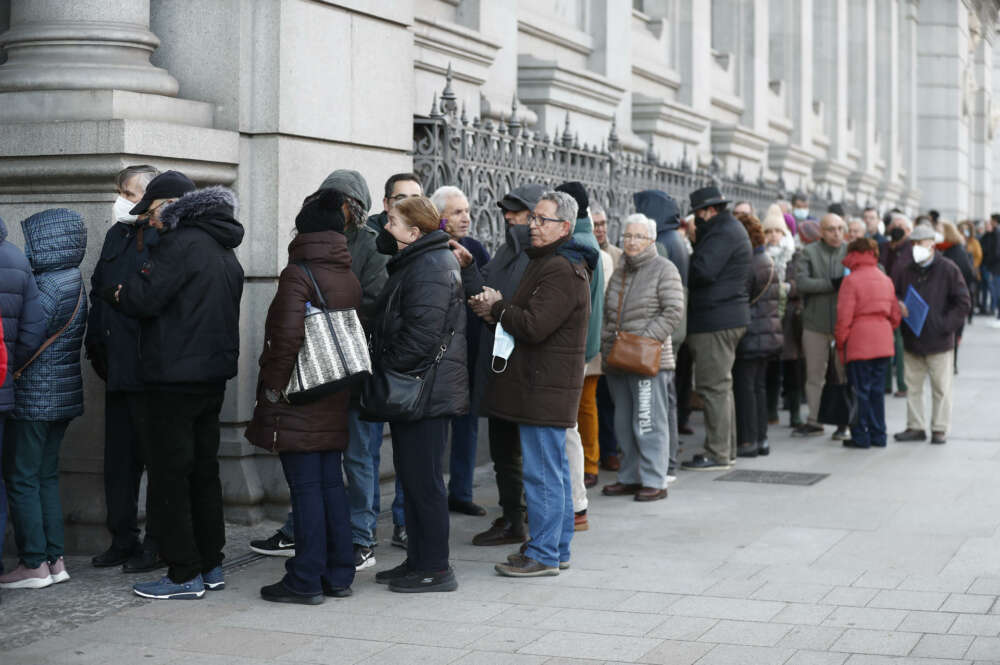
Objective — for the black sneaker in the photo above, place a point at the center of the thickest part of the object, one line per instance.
(279, 593)
(705, 463)
(112, 557)
(841, 434)
(143, 561)
(465, 507)
(418, 582)
(808, 430)
(276, 545)
(387, 576)
(336, 591)
(363, 557)
(399, 536)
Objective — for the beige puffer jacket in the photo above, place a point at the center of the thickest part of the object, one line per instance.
(653, 305)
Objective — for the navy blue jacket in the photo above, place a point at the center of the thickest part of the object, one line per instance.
(51, 388)
(21, 309)
(112, 338)
(719, 299)
(662, 209)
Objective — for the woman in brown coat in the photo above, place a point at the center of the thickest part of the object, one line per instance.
(309, 438)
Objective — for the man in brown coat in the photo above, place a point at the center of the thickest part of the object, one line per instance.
(541, 333)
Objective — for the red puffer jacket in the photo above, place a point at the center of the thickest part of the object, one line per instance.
(867, 311)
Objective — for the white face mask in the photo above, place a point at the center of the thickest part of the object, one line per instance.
(922, 254)
(800, 213)
(503, 346)
(120, 210)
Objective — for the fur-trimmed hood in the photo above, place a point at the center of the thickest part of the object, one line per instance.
(211, 209)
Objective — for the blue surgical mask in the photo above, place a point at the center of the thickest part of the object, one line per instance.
(800, 213)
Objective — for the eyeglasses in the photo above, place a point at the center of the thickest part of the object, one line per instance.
(538, 220)
(629, 237)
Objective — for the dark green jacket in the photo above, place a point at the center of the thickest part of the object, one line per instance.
(368, 265)
(819, 264)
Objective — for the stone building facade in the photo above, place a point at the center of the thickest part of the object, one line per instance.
(862, 101)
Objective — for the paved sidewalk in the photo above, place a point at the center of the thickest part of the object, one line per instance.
(893, 558)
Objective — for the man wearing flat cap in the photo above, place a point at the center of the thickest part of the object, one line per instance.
(502, 274)
(929, 351)
(718, 315)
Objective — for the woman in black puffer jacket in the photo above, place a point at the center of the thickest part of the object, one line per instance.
(420, 330)
(762, 342)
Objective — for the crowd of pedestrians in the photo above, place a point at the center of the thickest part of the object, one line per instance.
(580, 353)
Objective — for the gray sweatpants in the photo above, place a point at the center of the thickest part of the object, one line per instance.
(642, 406)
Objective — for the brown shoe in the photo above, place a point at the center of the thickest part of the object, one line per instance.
(501, 532)
(612, 463)
(650, 494)
(580, 521)
(589, 480)
(621, 489)
(938, 437)
(524, 566)
(899, 393)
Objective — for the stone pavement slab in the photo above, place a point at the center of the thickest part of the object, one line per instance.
(894, 559)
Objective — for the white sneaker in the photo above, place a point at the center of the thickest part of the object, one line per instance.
(23, 577)
(671, 479)
(58, 571)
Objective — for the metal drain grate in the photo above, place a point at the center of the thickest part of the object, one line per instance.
(773, 477)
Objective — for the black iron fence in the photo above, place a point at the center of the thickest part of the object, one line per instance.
(486, 160)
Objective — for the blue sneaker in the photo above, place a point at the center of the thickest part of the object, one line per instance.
(167, 589)
(213, 579)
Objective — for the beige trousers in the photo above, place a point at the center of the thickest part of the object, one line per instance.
(816, 352)
(941, 368)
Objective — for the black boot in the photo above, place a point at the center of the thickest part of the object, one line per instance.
(764, 448)
(747, 450)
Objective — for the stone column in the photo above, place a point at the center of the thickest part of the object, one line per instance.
(830, 88)
(82, 45)
(981, 132)
(945, 82)
(908, 101)
(80, 100)
(862, 96)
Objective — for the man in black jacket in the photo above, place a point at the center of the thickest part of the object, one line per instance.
(718, 315)
(187, 299)
(112, 345)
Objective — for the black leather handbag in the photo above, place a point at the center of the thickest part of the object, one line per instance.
(838, 405)
(393, 396)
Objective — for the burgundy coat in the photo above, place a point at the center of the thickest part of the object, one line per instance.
(322, 424)
(867, 311)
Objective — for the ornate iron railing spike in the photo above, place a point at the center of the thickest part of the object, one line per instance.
(449, 103)
(576, 141)
(434, 106)
(465, 117)
(502, 128)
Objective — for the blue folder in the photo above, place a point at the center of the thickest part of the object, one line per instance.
(917, 308)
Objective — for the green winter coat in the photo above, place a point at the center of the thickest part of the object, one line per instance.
(818, 265)
(583, 233)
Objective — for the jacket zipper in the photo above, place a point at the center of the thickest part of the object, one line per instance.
(274, 445)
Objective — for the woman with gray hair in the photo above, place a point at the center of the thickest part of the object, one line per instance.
(645, 297)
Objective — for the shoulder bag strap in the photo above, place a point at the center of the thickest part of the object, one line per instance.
(770, 278)
(47, 343)
(621, 300)
(319, 294)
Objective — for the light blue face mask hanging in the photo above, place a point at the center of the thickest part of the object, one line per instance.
(503, 346)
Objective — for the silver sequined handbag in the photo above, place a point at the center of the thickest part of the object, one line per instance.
(334, 354)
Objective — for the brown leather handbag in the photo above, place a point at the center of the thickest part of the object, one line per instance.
(633, 353)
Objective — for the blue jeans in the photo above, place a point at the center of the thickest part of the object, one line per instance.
(362, 477)
(549, 493)
(868, 379)
(362, 472)
(322, 527)
(462, 465)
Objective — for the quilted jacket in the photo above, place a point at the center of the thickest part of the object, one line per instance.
(51, 388)
(21, 309)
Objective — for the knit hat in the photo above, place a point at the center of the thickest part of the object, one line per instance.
(578, 192)
(322, 213)
(774, 219)
(922, 232)
(809, 230)
(350, 183)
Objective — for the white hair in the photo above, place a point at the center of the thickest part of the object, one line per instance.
(902, 219)
(639, 218)
(597, 209)
(443, 194)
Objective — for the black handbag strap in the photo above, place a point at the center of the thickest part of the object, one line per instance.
(319, 294)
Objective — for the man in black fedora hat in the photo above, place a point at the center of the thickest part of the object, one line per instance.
(718, 315)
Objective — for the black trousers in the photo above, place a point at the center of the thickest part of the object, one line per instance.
(124, 461)
(185, 494)
(606, 419)
(505, 450)
(418, 454)
(750, 394)
(684, 382)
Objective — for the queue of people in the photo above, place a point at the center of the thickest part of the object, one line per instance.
(579, 354)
